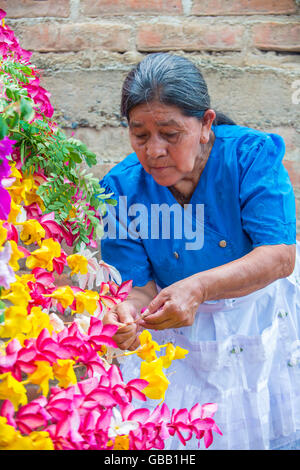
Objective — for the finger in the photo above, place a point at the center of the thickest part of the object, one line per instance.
(165, 324)
(155, 304)
(126, 331)
(110, 317)
(126, 313)
(134, 345)
(129, 344)
(159, 316)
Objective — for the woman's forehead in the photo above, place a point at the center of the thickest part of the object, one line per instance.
(162, 114)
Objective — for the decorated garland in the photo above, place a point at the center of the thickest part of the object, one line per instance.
(60, 383)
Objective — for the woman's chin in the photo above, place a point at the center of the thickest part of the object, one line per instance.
(164, 176)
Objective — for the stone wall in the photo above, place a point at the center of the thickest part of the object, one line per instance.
(248, 51)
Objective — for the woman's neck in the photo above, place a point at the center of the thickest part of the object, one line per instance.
(184, 189)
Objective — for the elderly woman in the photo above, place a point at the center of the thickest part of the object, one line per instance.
(221, 280)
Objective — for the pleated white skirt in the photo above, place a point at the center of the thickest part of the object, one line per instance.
(244, 355)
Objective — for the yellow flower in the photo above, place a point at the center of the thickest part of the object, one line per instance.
(30, 188)
(64, 372)
(148, 347)
(15, 210)
(72, 213)
(157, 381)
(38, 320)
(3, 233)
(86, 301)
(64, 295)
(32, 232)
(16, 322)
(41, 376)
(17, 294)
(24, 189)
(15, 255)
(43, 256)
(121, 443)
(78, 264)
(11, 389)
(173, 353)
(24, 279)
(8, 434)
(12, 439)
(40, 440)
(15, 189)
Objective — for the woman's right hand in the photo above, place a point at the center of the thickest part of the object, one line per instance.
(124, 315)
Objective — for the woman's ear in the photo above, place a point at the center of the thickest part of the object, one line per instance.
(207, 120)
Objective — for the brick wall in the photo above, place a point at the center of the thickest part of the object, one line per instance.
(248, 51)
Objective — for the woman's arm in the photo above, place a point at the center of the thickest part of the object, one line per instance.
(176, 305)
(252, 272)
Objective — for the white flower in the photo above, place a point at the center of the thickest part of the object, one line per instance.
(83, 323)
(22, 216)
(118, 427)
(98, 271)
(56, 322)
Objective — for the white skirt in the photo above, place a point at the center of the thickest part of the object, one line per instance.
(244, 355)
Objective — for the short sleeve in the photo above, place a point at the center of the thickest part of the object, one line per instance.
(121, 247)
(267, 199)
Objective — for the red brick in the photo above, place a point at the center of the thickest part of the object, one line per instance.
(121, 7)
(243, 7)
(35, 8)
(277, 36)
(189, 37)
(51, 37)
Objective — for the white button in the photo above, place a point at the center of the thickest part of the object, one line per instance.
(223, 243)
(176, 254)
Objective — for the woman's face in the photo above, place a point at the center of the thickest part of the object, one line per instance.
(167, 143)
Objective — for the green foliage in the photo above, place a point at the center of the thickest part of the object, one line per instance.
(45, 148)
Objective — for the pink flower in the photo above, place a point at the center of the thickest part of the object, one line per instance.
(41, 97)
(33, 211)
(60, 262)
(100, 334)
(12, 232)
(202, 422)
(6, 148)
(54, 230)
(9, 44)
(32, 416)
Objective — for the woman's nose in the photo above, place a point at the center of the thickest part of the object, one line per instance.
(155, 147)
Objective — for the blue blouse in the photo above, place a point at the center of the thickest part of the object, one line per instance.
(244, 199)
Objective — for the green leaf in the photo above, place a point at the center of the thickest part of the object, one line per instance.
(3, 128)
(26, 109)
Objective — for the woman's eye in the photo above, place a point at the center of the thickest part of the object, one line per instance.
(170, 135)
(141, 136)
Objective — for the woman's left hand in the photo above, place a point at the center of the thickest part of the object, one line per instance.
(174, 307)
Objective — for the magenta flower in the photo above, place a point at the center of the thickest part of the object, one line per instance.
(100, 334)
(9, 44)
(6, 148)
(54, 230)
(12, 232)
(5, 201)
(32, 416)
(201, 419)
(33, 211)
